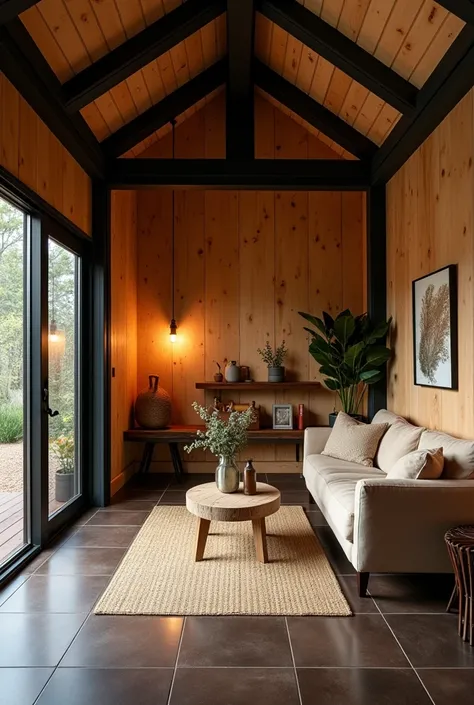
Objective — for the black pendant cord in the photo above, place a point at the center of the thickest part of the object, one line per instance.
(173, 125)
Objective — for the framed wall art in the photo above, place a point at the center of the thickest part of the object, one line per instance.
(282, 416)
(435, 329)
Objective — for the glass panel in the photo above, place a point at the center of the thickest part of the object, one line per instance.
(63, 367)
(12, 439)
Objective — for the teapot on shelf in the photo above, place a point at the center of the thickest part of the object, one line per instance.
(232, 372)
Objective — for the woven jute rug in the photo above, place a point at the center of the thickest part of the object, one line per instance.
(159, 576)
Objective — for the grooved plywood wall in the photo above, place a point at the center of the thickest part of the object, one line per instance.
(29, 151)
(245, 263)
(123, 329)
(430, 225)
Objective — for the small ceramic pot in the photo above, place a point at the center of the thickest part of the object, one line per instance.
(64, 486)
(276, 374)
(333, 417)
(218, 377)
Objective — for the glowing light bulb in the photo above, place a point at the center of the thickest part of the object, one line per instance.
(173, 337)
(173, 329)
(53, 332)
(53, 338)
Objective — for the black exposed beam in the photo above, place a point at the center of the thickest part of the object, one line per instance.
(27, 69)
(9, 9)
(447, 85)
(263, 174)
(341, 51)
(166, 110)
(140, 50)
(462, 8)
(314, 113)
(240, 142)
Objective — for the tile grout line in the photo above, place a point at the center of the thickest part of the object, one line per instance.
(293, 661)
(176, 662)
(405, 654)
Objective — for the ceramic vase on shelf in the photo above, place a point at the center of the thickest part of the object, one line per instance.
(153, 406)
(227, 475)
(276, 374)
(232, 372)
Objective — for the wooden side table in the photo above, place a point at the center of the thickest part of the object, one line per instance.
(460, 545)
(209, 504)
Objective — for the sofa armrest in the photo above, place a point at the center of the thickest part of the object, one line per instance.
(399, 525)
(315, 439)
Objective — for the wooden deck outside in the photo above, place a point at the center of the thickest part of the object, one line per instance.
(11, 523)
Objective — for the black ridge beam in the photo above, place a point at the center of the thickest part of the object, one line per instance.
(240, 140)
(140, 50)
(166, 110)
(462, 8)
(263, 174)
(9, 9)
(26, 68)
(341, 51)
(447, 85)
(314, 113)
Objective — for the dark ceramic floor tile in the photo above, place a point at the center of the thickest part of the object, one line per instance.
(38, 561)
(299, 497)
(103, 537)
(118, 518)
(235, 641)
(315, 517)
(12, 586)
(431, 640)
(143, 493)
(360, 686)
(84, 518)
(174, 497)
(21, 686)
(56, 593)
(82, 561)
(121, 642)
(411, 593)
(359, 605)
(234, 686)
(363, 641)
(447, 686)
(152, 481)
(286, 481)
(130, 505)
(333, 551)
(190, 480)
(36, 639)
(111, 686)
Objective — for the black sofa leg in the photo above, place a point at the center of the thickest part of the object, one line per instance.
(311, 498)
(363, 583)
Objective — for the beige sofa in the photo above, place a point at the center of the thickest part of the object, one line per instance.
(385, 525)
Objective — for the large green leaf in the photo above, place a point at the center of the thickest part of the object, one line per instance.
(379, 331)
(328, 321)
(318, 344)
(332, 384)
(371, 376)
(343, 314)
(353, 354)
(314, 321)
(377, 355)
(328, 371)
(344, 327)
(311, 331)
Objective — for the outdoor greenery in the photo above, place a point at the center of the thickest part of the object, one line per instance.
(61, 304)
(222, 437)
(273, 358)
(351, 352)
(63, 449)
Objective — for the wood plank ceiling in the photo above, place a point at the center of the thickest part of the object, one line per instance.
(409, 36)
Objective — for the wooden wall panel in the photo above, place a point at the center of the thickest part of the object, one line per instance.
(430, 225)
(29, 151)
(124, 330)
(246, 263)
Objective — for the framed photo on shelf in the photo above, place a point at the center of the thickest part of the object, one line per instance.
(435, 329)
(282, 416)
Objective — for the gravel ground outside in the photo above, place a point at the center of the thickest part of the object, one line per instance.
(11, 468)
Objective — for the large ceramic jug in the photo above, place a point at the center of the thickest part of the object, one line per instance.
(232, 372)
(153, 406)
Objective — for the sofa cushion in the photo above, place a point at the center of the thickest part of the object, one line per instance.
(418, 465)
(400, 439)
(354, 441)
(333, 483)
(458, 454)
(386, 416)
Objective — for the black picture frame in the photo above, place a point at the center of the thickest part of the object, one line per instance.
(452, 278)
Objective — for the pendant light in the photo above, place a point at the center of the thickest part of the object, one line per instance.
(56, 337)
(173, 326)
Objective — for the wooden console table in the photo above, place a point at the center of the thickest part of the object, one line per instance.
(173, 436)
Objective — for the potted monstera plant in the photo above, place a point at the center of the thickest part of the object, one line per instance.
(352, 354)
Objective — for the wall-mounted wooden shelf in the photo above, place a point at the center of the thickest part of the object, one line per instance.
(256, 386)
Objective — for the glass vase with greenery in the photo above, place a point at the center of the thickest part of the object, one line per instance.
(352, 353)
(224, 438)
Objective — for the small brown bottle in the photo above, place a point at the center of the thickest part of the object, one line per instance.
(250, 479)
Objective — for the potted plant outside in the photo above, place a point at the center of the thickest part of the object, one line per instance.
(64, 450)
(224, 438)
(274, 360)
(352, 353)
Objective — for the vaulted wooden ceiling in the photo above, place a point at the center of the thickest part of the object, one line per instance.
(349, 69)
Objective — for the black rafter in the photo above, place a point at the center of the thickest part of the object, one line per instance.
(341, 51)
(139, 51)
(23, 64)
(9, 9)
(263, 174)
(170, 107)
(447, 85)
(314, 113)
(240, 91)
(462, 8)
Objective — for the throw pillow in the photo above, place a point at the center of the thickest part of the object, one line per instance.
(354, 441)
(418, 465)
(401, 438)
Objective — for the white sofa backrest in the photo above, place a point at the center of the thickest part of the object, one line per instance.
(458, 454)
(401, 438)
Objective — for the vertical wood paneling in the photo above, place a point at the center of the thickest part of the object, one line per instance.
(430, 225)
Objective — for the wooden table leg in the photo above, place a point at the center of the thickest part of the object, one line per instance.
(260, 538)
(201, 538)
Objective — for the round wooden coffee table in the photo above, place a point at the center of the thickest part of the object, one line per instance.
(209, 504)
